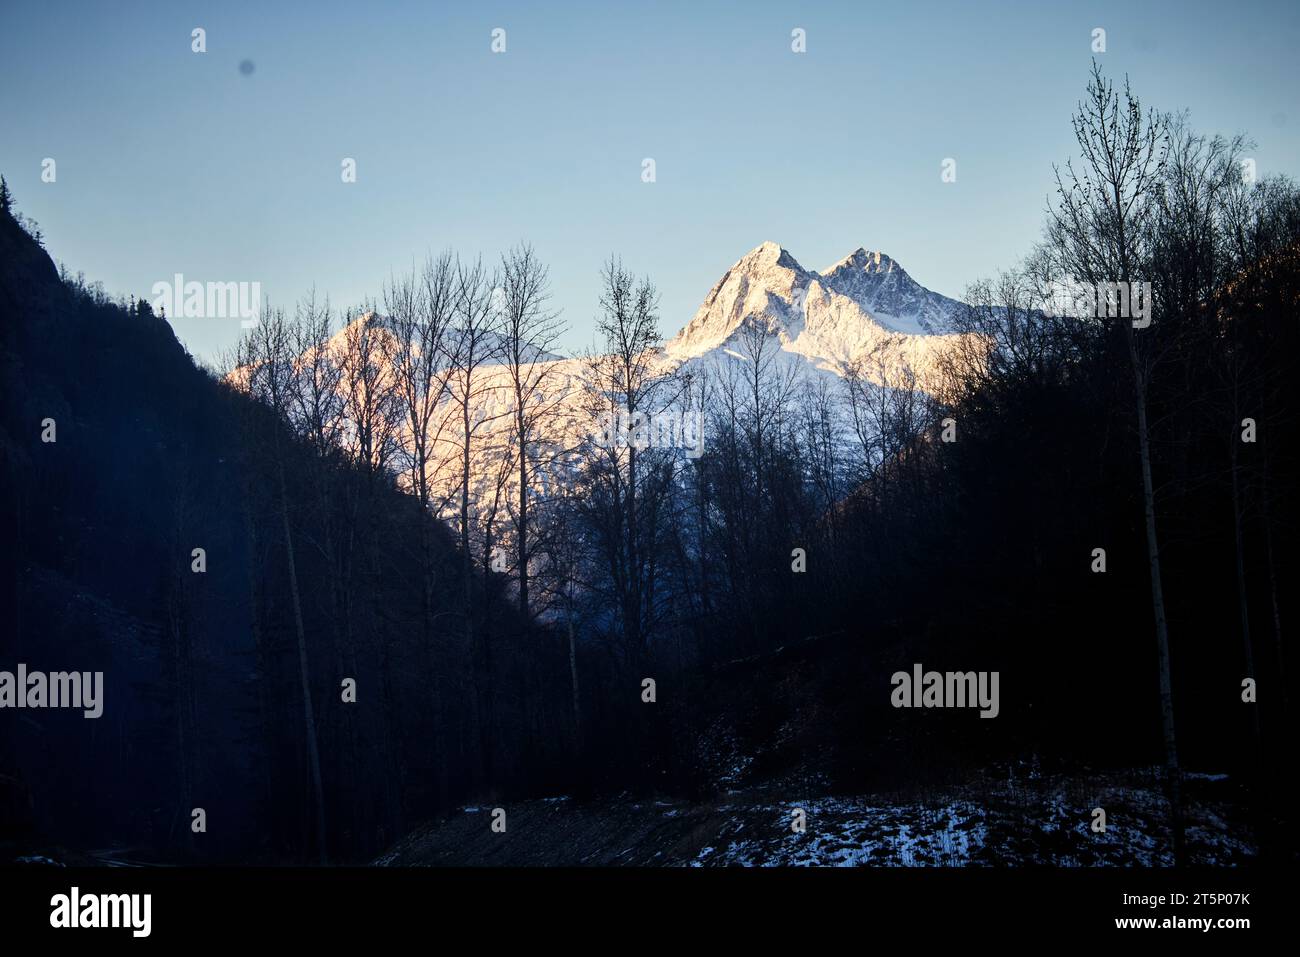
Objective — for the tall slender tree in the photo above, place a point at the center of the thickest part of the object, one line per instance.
(1100, 229)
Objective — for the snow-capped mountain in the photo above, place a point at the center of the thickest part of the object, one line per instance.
(889, 295)
(865, 309)
(864, 305)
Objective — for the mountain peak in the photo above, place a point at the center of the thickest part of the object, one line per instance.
(865, 260)
(864, 296)
(769, 254)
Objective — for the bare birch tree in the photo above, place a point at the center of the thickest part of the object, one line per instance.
(529, 330)
(1099, 229)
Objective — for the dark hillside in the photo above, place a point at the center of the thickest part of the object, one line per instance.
(153, 458)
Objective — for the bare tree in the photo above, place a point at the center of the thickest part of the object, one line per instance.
(823, 441)
(529, 330)
(316, 401)
(420, 310)
(769, 389)
(420, 307)
(267, 356)
(473, 342)
(1194, 263)
(886, 408)
(1099, 230)
(369, 392)
(626, 480)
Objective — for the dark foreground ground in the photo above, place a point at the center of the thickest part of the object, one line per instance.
(1006, 817)
(1013, 817)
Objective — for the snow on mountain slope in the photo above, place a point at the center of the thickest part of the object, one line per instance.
(881, 287)
(864, 308)
(864, 305)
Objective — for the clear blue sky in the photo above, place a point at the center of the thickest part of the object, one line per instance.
(171, 161)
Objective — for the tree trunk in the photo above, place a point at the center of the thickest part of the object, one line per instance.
(522, 535)
(472, 641)
(309, 717)
(261, 657)
(1174, 781)
(573, 677)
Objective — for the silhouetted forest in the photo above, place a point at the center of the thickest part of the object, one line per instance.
(499, 632)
